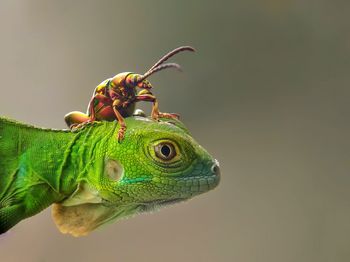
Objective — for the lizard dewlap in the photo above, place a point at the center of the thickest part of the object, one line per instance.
(91, 179)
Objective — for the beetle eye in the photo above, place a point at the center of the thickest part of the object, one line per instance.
(165, 151)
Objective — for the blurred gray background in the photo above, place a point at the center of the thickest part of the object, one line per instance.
(266, 94)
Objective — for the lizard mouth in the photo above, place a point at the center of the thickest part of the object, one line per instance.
(157, 204)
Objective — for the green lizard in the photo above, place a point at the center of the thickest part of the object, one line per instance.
(91, 179)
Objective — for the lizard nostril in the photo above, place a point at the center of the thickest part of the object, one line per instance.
(215, 169)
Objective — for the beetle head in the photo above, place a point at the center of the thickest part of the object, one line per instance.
(144, 84)
(137, 80)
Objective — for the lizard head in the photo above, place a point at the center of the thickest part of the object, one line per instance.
(157, 164)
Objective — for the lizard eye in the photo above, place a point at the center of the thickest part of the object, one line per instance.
(165, 151)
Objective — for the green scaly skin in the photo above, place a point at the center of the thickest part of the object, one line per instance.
(91, 178)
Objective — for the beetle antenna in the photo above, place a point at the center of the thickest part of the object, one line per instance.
(170, 54)
(159, 68)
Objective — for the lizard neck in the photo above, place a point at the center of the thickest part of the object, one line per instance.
(39, 167)
(29, 154)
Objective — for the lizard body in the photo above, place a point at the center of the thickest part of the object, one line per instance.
(91, 178)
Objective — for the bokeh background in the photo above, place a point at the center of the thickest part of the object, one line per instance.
(266, 93)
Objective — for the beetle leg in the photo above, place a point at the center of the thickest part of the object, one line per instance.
(76, 119)
(91, 109)
(146, 95)
(169, 115)
(97, 102)
(120, 119)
